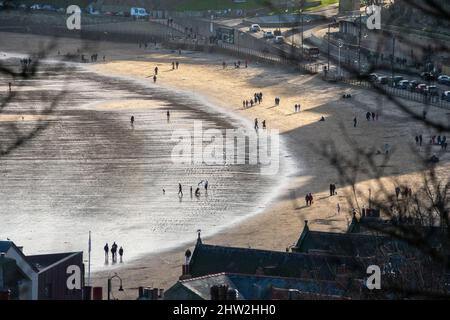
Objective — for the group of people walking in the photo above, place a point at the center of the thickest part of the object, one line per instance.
(372, 115)
(197, 190)
(404, 191)
(332, 189)
(114, 252)
(175, 65)
(434, 140)
(309, 199)
(237, 64)
(440, 141)
(257, 124)
(257, 98)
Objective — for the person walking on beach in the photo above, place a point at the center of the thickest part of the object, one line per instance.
(355, 121)
(114, 252)
(156, 71)
(264, 124)
(397, 192)
(180, 189)
(121, 254)
(154, 78)
(338, 209)
(177, 64)
(132, 120)
(206, 185)
(168, 115)
(256, 124)
(307, 200)
(173, 65)
(106, 249)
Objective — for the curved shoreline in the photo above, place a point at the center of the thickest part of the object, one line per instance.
(206, 105)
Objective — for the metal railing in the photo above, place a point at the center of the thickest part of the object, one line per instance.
(434, 100)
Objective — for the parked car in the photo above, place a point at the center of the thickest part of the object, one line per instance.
(444, 79)
(403, 84)
(382, 80)
(48, 7)
(279, 39)
(373, 77)
(412, 85)
(138, 13)
(427, 76)
(255, 28)
(269, 35)
(421, 88)
(446, 96)
(36, 7)
(393, 81)
(432, 90)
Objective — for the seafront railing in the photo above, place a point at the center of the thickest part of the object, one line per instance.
(434, 100)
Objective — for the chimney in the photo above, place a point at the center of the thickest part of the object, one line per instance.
(223, 290)
(155, 293)
(214, 293)
(97, 293)
(185, 272)
(231, 295)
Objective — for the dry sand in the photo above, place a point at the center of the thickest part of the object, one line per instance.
(281, 223)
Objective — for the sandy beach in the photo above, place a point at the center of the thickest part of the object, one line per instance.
(280, 223)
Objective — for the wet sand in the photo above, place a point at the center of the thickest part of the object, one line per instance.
(91, 169)
(280, 224)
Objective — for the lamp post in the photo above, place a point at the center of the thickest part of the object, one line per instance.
(340, 45)
(110, 284)
(301, 24)
(329, 30)
(393, 56)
